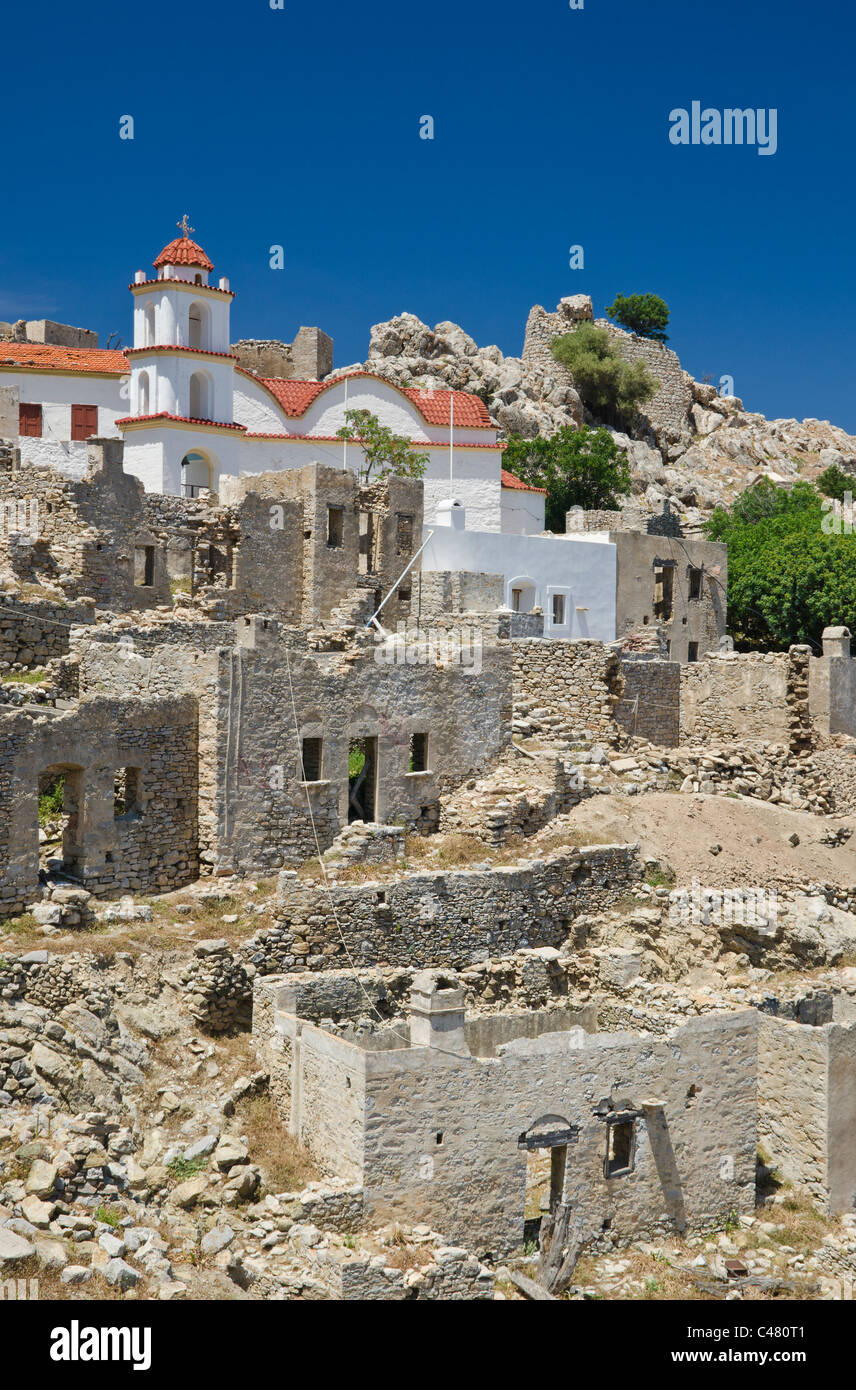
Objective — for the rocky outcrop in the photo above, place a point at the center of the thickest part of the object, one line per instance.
(692, 446)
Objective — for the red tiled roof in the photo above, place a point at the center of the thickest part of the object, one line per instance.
(183, 251)
(49, 358)
(182, 420)
(174, 347)
(470, 411)
(508, 480)
(295, 397)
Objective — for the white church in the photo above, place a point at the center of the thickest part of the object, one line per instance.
(190, 414)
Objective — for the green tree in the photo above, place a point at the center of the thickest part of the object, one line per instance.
(834, 482)
(579, 468)
(611, 388)
(645, 314)
(791, 567)
(384, 452)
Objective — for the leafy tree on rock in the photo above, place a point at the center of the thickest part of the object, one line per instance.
(645, 314)
(579, 468)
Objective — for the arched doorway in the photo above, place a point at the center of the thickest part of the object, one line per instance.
(521, 594)
(195, 474)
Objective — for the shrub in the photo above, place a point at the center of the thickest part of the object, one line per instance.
(834, 482)
(611, 388)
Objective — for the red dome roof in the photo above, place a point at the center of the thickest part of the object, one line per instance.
(183, 251)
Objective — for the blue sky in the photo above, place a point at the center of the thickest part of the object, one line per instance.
(300, 127)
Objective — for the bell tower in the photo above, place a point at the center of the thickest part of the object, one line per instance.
(180, 434)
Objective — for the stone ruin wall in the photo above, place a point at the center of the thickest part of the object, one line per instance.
(651, 704)
(668, 410)
(750, 696)
(153, 848)
(308, 358)
(569, 689)
(448, 919)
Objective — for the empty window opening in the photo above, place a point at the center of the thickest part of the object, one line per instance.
(695, 582)
(664, 589)
(418, 752)
(692, 651)
(362, 779)
(144, 566)
(126, 793)
(439, 1137)
(403, 534)
(668, 648)
(311, 757)
(335, 527)
(515, 599)
(84, 421)
(367, 543)
(404, 593)
(30, 420)
(620, 1147)
(558, 609)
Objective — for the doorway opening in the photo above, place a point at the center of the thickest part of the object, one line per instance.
(546, 1144)
(362, 779)
(60, 802)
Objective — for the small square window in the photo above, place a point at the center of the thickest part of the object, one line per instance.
(418, 752)
(335, 527)
(311, 756)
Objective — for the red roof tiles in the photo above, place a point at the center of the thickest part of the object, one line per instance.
(508, 480)
(183, 251)
(295, 397)
(48, 358)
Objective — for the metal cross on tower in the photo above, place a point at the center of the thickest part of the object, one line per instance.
(185, 226)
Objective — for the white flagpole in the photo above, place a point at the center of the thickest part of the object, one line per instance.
(451, 443)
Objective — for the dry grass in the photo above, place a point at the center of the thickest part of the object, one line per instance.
(285, 1164)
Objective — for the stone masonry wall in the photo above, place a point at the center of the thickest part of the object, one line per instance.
(569, 690)
(748, 696)
(458, 919)
(651, 704)
(151, 845)
(35, 631)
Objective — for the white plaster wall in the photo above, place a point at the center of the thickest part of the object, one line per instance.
(56, 393)
(172, 302)
(254, 407)
(522, 512)
(583, 571)
(70, 459)
(154, 456)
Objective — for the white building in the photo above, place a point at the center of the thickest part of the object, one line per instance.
(190, 415)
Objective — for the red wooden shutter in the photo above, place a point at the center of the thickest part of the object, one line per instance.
(84, 421)
(30, 420)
